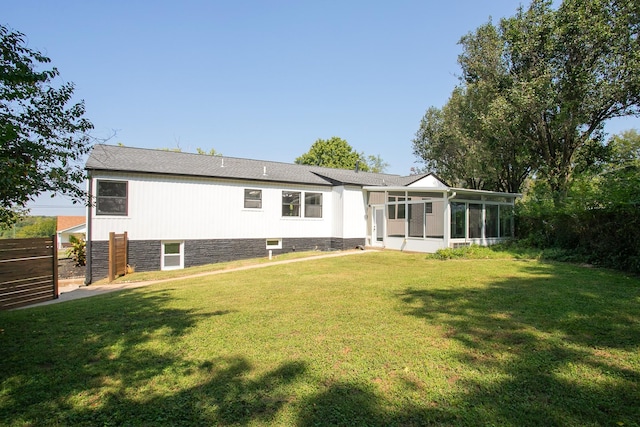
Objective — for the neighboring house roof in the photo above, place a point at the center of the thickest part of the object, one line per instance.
(67, 222)
(128, 159)
(78, 229)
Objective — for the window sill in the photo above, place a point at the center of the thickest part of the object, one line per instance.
(298, 218)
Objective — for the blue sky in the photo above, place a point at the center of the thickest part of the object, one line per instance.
(256, 79)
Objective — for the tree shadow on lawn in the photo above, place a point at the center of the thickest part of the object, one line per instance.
(353, 404)
(550, 342)
(117, 360)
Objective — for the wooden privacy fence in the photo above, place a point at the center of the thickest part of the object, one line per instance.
(28, 271)
(117, 255)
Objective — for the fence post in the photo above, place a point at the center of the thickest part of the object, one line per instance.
(112, 255)
(54, 244)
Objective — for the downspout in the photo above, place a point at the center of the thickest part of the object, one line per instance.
(88, 276)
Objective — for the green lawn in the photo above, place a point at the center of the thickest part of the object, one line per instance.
(380, 339)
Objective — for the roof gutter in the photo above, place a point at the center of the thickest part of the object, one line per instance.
(403, 188)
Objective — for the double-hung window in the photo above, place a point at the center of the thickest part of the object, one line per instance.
(313, 205)
(290, 203)
(111, 198)
(252, 199)
(172, 255)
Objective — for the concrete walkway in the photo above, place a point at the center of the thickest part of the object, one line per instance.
(70, 290)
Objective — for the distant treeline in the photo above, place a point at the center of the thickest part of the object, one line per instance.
(30, 226)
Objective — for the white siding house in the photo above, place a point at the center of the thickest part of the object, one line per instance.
(181, 209)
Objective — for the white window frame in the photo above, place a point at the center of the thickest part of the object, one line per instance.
(292, 206)
(273, 243)
(99, 197)
(247, 192)
(309, 206)
(180, 255)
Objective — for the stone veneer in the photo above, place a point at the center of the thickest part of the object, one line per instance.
(144, 255)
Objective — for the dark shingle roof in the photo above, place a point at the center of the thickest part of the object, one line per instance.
(127, 159)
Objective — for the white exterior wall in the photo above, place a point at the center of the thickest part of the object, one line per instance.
(428, 181)
(414, 245)
(354, 213)
(63, 236)
(349, 213)
(180, 208)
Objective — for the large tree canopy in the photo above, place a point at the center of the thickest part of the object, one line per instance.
(535, 91)
(337, 153)
(42, 137)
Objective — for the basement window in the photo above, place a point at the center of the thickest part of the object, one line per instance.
(274, 243)
(172, 255)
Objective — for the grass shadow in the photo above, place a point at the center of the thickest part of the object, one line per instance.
(550, 337)
(103, 362)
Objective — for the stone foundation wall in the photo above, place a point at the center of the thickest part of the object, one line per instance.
(144, 255)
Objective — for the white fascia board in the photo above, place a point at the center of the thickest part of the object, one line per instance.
(80, 228)
(404, 188)
(485, 192)
(443, 190)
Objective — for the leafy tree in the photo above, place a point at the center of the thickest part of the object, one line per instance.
(540, 87)
(474, 140)
(451, 144)
(41, 227)
(42, 137)
(599, 220)
(624, 150)
(29, 226)
(211, 152)
(377, 164)
(334, 153)
(621, 173)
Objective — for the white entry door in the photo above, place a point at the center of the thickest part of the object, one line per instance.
(377, 225)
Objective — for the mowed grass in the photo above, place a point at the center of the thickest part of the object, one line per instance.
(380, 339)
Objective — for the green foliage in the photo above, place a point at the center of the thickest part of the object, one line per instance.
(42, 140)
(77, 251)
(337, 153)
(516, 249)
(600, 217)
(30, 226)
(376, 164)
(469, 147)
(177, 149)
(468, 252)
(10, 216)
(535, 93)
(211, 152)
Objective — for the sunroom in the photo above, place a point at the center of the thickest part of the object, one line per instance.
(425, 219)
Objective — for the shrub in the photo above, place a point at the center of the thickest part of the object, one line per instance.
(77, 251)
